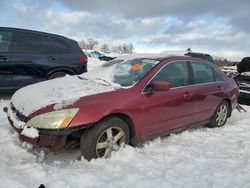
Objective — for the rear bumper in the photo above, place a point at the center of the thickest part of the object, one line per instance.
(82, 68)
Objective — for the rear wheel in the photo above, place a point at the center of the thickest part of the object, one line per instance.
(57, 75)
(220, 116)
(105, 137)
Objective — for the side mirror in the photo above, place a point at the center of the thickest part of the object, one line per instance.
(160, 86)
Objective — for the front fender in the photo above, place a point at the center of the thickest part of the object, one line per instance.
(88, 115)
(92, 114)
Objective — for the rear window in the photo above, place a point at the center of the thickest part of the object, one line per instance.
(5, 40)
(25, 42)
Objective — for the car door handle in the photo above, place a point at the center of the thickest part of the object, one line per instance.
(4, 58)
(187, 94)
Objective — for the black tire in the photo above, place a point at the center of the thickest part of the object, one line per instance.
(98, 135)
(58, 74)
(220, 115)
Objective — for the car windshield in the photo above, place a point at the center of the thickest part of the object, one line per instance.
(123, 73)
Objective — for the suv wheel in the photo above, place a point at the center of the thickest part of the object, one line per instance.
(59, 74)
(105, 137)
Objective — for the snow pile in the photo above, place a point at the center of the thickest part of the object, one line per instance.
(192, 159)
(62, 90)
(30, 132)
(94, 63)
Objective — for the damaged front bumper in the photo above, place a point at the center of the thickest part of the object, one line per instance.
(52, 138)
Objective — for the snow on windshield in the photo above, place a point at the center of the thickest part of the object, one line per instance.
(121, 72)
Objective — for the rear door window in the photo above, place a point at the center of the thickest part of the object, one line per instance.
(27, 42)
(5, 41)
(203, 73)
(218, 77)
(54, 46)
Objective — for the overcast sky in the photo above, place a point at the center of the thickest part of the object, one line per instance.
(219, 27)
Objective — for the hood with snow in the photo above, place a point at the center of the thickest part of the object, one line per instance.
(68, 89)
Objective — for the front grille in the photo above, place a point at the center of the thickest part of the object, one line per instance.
(18, 114)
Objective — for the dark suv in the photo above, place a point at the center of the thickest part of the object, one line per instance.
(27, 57)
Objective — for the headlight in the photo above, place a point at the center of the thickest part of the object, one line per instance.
(53, 120)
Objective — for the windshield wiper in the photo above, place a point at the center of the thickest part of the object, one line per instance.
(105, 81)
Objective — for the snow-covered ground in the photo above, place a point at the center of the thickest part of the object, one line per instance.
(199, 157)
(195, 158)
(93, 63)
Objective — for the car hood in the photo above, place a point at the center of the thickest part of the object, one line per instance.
(61, 91)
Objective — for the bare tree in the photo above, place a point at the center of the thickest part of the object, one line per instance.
(130, 48)
(83, 44)
(91, 43)
(105, 48)
(125, 48)
(116, 49)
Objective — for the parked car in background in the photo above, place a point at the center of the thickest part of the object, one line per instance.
(230, 71)
(243, 79)
(244, 65)
(190, 53)
(101, 55)
(27, 57)
(201, 56)
(95, 54)
(123, 102)
(105, 58)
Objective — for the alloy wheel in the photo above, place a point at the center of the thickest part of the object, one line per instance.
(112, 139)
(221, 115)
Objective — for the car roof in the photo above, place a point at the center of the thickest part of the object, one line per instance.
(160, 57)
(33, 31)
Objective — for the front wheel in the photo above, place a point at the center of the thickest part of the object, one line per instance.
(105, 137)
(220, 116)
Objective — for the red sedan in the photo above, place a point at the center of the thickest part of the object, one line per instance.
(126, 101)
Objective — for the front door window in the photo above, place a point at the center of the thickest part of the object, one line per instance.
(175, 73)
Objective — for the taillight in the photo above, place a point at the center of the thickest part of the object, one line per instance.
(83, 59)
